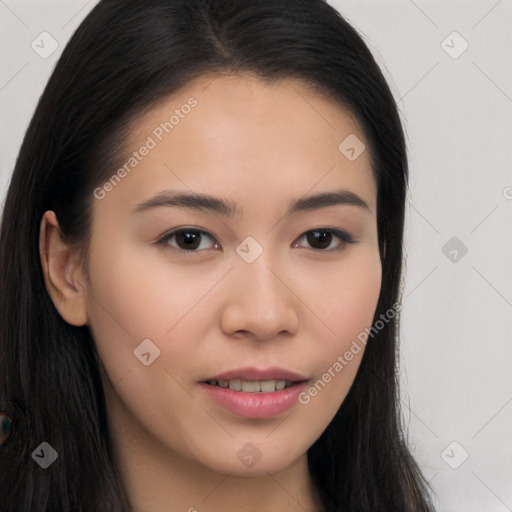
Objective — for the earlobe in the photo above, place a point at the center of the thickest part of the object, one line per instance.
(61, 272)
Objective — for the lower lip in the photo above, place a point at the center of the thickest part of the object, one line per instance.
(255, 405)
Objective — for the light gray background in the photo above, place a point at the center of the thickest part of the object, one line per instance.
(457, 315)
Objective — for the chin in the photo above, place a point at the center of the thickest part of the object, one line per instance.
(249, 462)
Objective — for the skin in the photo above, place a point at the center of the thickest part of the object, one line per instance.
(296, 306)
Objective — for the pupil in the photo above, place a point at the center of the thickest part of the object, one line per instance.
(324, 237)
(188, 238)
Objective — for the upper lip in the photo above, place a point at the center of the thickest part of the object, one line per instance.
(251, 373)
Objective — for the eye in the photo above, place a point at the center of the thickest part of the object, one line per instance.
(322, 238)
(187, 239)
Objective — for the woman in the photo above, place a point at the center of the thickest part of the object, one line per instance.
(201, 253)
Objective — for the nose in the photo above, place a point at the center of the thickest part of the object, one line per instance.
(260, 302)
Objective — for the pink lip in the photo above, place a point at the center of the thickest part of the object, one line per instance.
(255, 405)
(251, 373)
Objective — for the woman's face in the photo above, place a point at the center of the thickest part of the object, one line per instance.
(249, 290)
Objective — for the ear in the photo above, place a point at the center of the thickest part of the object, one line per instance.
(62, 272)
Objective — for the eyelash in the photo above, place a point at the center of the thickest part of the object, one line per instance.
(345, 238)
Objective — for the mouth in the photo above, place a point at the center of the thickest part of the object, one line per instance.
(254, 393)
(254, 380)
(252, 386)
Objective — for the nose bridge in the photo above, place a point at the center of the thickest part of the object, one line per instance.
(260, 302)
(257, 272)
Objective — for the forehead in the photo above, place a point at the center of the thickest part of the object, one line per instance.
(226, 134)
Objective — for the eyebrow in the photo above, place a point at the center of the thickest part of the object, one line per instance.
(227, 208)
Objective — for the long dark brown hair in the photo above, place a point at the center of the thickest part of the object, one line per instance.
(125, 56)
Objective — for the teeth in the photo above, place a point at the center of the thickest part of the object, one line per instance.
(252, 386)
(267, 386)
(280, 384)
(235, 384)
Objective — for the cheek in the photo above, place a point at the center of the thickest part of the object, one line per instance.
(347, 299)
(136, 296)
(136, 292)
(358, 296)
(131, 302)
(346, 306)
